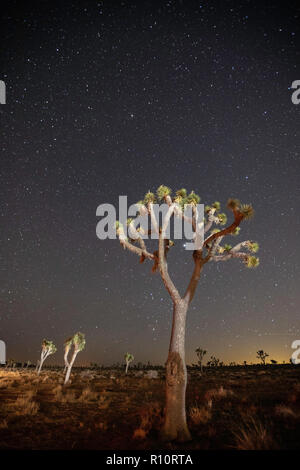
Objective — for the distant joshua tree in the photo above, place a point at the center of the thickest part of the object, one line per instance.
(128, 358)
(273, 361)
(48, 348)
(200, 354)
(78, 343)
(262, 355)
(214, 362)
(209, 249)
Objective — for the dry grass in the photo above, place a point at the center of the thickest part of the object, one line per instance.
(25, 405)
(218, 393)
(88, 395)
(200, 415)
(3, 424)
(151, 418)
(252, 434)
(285, 411)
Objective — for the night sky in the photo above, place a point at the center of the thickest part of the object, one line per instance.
(115, 98)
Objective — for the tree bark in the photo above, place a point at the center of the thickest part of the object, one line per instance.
(175, 426)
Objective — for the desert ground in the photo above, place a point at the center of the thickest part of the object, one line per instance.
(242, 407)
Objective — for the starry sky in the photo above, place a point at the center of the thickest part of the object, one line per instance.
(115, 98)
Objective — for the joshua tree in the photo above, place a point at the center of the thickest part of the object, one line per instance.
(128, 358)
(273, 361)
(67, 346)
(48, 348)
(200, 353)
(262, 355)
(78, 343)
(214, 362)
(208, 249)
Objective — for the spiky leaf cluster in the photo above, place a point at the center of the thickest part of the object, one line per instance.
(227, 247)
(236, 231)
(149, 198)
(128, 357)
(252, 262)
(247, 211)
(79, 341)
(222, 218)
(163, 191)
(253, 247)
(49, 346)
(217, 205)
(193, 198)
(233, 204)
(181, 193)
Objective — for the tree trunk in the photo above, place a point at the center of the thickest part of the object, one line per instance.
(69, 368)
(40, 367)
(175, 426)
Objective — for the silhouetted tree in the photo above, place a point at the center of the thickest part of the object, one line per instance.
(273, 361)
(262, 355)
(200, 354)
(208, 249)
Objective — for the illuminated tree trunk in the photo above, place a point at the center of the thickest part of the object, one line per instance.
(175, 426)
(69, 368)
(40, 366)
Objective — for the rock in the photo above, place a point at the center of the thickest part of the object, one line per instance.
(139, 373)
(152, 374)
(87, 373)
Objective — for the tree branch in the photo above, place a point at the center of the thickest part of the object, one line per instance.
(238, 217)
(229, 255)
(190, 292)
(162, 261)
